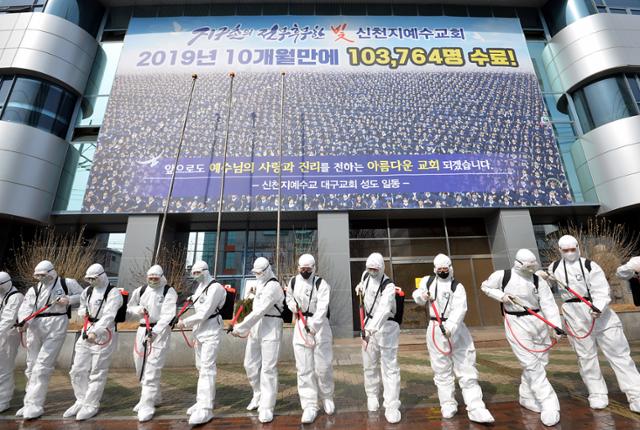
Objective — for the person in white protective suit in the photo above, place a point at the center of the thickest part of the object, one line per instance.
(158, 301)
(207, 325)
(310, 295)
(99, 304)
(450, 300)
(46, 332)
(587, 279)
(10, 301)
(523, 329)
(380, 356)
(263, 325)
(630, 271)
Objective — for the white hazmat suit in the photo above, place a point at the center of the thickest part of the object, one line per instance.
(313, 351)
(95, 347)
(451, 303)
(10, 301)
(207, 325)
(264, 328)
(380, 357)
(159, 300)
(607, 333)
(536, 392)
(45, 333)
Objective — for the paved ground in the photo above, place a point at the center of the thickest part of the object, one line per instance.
(499, 374)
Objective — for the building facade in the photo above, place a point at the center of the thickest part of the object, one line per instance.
(58, 103)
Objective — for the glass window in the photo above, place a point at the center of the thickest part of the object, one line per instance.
(455, 10)
(635, 11)
(622, 3)
(94, 104)
(618, 11)
(5, 87)
(560, 13)
(602, 9)
(364, 248)
(529, 17)
(249, 9)
(223, 9)
(417, 247)
(416, 228)
(75, 175)
(466, 227)
(302, 8)
(118, 18)
(170, 11)
(429, 9)
(405, 9)
(40, 104)
(196, 10)
(379, 9)
(604, 101)
(368, 229)
(278, 9)
(353, 9)
(504, 12)
(480, 11)
(86, 14)
(145, 11)
(469, 246)
(327, 9)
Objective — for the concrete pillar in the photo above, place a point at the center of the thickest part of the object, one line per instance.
(333, 265)
(139, 243)
(509, 231)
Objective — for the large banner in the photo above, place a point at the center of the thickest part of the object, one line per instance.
(379, 112)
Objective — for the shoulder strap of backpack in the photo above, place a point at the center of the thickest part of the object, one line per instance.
(454, 285)
(63, 282)
(555, 266)
(293, 283)
(89, 293)
(318, 282)
(506, 277)
(587, 264)
(166, 290)
(142, 290)
(536, 281)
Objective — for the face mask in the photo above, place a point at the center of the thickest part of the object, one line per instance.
(198, 276)
(154, 283)
(529, 267)
(305, 274)
(570, 256)
(373, 273)
(443, 275)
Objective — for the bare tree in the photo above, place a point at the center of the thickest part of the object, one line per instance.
(604, 242)
(70, 253)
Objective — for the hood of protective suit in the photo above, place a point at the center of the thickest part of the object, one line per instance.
(262, 270)
(5, 282)
(45, 272)
(96, 272)
(157, 271)
(567, 242)
(375, 261)
(306, 261)
(203, 268)
(526, 262)
(442, 261)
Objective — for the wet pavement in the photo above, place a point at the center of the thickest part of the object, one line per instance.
(499, 379)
